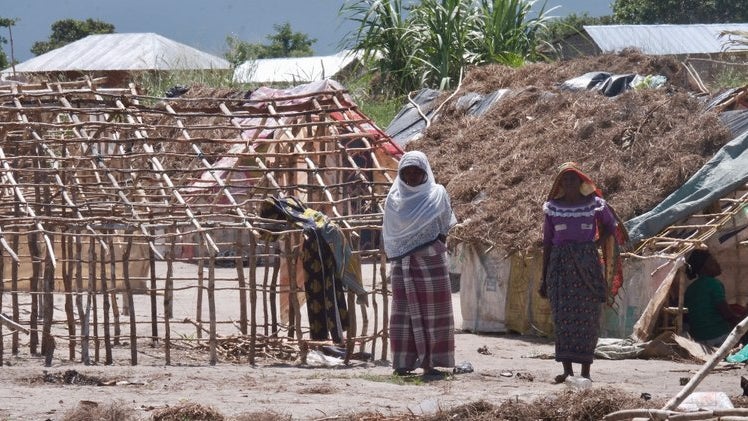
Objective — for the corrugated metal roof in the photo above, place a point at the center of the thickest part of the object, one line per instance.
(293, 69)
(664, 39)
(139, 51)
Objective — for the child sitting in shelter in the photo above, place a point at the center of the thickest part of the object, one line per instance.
(710, 318)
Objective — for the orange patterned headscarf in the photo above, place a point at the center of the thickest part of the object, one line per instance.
(586, 188)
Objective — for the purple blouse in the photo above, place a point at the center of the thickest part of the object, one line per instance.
(575, 223)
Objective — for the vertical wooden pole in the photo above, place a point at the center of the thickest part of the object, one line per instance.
(212, 307)
(33, 244)
(242, 281)
(129, 297)
(374, 306)
(79, 291)
(113, 286)
(153, 290)
(266, 259)
(274, 293)
(385, 299)
(66, 248)
(252, 296)
(168, 286)
(355, 242)
(48, 342)
(200, 286)
(681, 293)
(92, 294)
(350, 333)
(14, 293)
(107, 307)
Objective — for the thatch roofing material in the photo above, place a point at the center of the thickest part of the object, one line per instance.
(639, 146)
(122, 52)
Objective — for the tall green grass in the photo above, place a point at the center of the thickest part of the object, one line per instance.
(159, 83)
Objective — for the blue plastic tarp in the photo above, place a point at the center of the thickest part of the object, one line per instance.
(725, 172)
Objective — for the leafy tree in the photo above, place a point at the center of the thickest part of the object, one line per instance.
(66, 31)
(283, 43)
(428, 43)
(286, 43)
(680, 11)
(7, 23)
(240, 51)
(573, 24)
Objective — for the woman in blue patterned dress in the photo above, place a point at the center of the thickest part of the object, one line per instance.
(577, 220)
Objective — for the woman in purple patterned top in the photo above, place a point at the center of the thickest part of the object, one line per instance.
(577, 219)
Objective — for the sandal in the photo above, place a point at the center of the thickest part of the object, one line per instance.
(401, 372)
(560, 378)
(434, 373)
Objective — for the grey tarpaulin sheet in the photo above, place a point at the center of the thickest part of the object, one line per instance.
(408, 123)
(736, 121)
(725, 172)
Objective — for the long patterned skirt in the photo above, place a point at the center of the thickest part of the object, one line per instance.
(325, 298)
(576, 289)
(421, 319)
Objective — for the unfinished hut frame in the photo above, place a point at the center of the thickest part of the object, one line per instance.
(666, 309)
(107, 196)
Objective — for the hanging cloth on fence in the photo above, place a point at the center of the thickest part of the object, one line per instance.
(328, 263)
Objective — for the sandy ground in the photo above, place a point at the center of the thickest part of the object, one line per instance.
(505, 367)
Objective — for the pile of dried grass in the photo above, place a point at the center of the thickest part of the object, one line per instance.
(638, 146)
(93, 411)
(569, 405)
(187, 411)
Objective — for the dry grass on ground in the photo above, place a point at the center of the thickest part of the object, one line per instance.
(584, 405)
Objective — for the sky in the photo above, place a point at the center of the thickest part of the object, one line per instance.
(205, 24)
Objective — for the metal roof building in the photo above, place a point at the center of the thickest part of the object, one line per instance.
(122, 52)
(294, 69)
(665, 39)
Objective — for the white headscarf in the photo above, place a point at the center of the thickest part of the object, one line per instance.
(415, 215)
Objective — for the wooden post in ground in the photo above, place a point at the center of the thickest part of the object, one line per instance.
(128, 296)
(385, 299)
(107, 306)
(212, 305)
(266, 272)
(153, 292)
(66, 246)
(239, 265)
(252, 296)
(92, 291)
(112, 293)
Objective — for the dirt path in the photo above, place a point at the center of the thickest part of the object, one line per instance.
(505, 367)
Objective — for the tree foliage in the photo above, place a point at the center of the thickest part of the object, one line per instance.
(66, 31)
(287, 43)
(573, 24)
(680, 11)
(429, 43)
(284, 42)
(6, 23)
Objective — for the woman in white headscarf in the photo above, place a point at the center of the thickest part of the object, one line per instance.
(417, 216)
